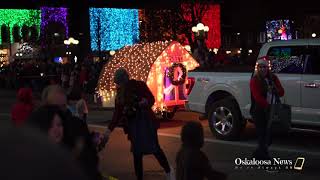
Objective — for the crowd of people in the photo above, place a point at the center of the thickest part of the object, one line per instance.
(53, 118)
(37, 74)
(67, 128)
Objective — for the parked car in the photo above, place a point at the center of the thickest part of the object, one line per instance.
(226, 100)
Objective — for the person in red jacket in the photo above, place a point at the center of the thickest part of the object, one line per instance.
(23, 108)
(265, 87)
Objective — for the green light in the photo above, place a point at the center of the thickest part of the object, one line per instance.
(19, 17)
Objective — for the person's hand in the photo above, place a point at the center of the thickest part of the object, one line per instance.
(107, 132)
(104, 140)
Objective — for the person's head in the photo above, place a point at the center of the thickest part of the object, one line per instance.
(25, 95)
(121, 76)
(262, 67)
(54, 95)
(75, 94)
(28, 150)
(49, 119)
(192, 135)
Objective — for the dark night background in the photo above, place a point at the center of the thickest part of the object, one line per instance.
(245, 16)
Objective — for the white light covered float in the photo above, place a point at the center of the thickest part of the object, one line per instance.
(158, 64)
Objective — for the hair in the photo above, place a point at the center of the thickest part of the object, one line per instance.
(42, 117)
(42, 156)
(49, 90)
(121, 76)
(25, 95)
(192, 135)
(75, 93)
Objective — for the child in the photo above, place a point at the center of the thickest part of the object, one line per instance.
(82, 107)
(23, 108)
(191, 162)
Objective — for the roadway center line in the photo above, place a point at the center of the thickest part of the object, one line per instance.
(232, 143)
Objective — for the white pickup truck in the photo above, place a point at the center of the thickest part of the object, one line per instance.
(225, 97)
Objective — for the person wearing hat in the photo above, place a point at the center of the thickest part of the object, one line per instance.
(133, 113)
(265, 87)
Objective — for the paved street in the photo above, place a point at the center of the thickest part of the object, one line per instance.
(117, 161)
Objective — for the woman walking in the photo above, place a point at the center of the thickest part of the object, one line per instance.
(134, 114)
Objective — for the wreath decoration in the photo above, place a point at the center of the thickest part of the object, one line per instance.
(182, 74)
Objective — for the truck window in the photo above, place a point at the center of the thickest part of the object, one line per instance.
(312, 60)
(287, 59)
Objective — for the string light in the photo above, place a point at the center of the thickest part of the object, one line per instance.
(113, 28)
(19, 17)
(49, 15)
(145, 62)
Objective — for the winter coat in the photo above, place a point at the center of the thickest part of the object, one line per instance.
(140, 126)
(23, 108)
(259, 90)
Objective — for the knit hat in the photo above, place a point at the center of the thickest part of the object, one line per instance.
(121, 76)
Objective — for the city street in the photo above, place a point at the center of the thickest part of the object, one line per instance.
(116, 159)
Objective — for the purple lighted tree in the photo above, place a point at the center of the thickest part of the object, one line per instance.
(53, 15)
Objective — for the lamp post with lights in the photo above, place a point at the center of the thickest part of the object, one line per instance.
(200, 34)
(69, 42)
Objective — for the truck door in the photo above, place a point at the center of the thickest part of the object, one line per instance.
(311, 85)
(287, 64)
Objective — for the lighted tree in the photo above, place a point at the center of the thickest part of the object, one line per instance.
(19, 17)
(188, 14)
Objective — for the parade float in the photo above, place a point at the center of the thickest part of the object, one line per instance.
(163, 66)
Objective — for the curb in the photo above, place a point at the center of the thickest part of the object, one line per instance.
(99, 108)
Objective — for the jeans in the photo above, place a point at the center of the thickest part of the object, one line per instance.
(261, 119)
(138, 165)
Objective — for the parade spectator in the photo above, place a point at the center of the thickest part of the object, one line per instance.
(23, 107)
(77, 103)
(27, 154)
(49, 119)
(83, 77)
(191, 162)
(82, 107)
(262, 92)
(65, 79)
(73, 79)
(77, 136)
(133, 112)
(220, 57)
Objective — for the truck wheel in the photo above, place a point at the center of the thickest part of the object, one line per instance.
(225, 119)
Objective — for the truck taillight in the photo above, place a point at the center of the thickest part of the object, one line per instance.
(189, 85)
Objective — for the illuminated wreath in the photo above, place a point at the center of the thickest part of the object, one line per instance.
(182, 74)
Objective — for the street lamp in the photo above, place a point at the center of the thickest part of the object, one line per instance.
(71, 41)
(314, 35)
(112, 52)
(200, 31)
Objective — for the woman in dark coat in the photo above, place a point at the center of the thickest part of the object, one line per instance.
(133, 112)
(262, 92)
